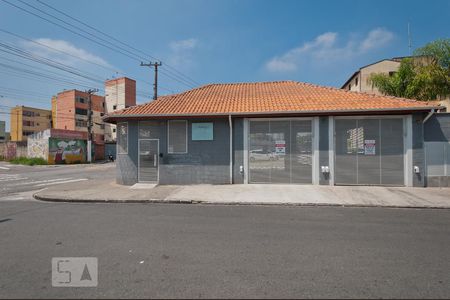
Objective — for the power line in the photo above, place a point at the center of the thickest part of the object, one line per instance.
(37, 68)
(49, 62)
(60, 51)
(134, 57)
(115, 39)
(80, 58)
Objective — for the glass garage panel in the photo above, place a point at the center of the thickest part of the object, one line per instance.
(347, 144)
(391, 149)
(260, 153)
(369, 170)
(280, 151)
(301, 152)
(280, 171)
(369, 151)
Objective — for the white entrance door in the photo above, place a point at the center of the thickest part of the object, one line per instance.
(148, 160)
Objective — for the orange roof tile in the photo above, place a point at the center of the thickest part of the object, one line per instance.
(266, 98)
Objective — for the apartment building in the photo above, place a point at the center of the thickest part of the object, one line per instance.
(2, 131)
(360, 80)
(120, 93)
(70, 112)
(28, 120)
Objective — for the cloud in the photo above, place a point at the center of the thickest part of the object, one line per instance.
(64, 46)
(376, 38)
(183, 45)
(325, 48)
(181, 55)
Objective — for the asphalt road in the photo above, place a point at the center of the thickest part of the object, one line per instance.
(16, 180)
(201, 251)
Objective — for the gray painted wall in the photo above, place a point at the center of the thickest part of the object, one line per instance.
(324, 159)
(418, 149)
(238, 147)
(126, 164)
(205, 162)
(437, 128)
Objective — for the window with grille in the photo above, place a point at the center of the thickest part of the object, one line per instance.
(177, 136)
(81, 111)
(80, 123)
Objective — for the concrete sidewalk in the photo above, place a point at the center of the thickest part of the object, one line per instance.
(107, 191)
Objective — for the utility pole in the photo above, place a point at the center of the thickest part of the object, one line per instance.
(90, 124)
(155, 85)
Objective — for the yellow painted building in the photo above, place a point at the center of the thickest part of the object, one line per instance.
(28, 120)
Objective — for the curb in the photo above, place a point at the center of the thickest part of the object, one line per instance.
(173, 201)
(51, 199)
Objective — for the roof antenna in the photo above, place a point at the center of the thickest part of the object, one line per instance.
(409, 40)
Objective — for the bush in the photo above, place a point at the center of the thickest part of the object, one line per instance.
(28, 161)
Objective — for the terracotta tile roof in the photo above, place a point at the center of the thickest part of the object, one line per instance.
(265, 98)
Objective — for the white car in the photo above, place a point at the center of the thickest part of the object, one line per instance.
(262, 155)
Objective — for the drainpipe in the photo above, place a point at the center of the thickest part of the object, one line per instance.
(428, 116)
(231, 148)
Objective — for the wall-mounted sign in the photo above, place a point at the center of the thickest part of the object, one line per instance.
(280, 147)
(202, 131)
(369, 147)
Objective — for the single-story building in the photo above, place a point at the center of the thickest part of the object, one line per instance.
(58, 146)
(63, 146)
(272, 132)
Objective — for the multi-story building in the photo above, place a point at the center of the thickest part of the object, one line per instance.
(70, 112)
(360, 80)
(120, 93)
(2, 131)
(28, 120)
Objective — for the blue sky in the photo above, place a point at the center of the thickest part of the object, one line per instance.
(321, 42)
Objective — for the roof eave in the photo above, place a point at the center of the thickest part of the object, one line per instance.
(113, 118)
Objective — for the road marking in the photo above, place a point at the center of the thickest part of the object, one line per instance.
(12, 198)
(4, 168)
(60, 182)
(39, 181)
(7, 177)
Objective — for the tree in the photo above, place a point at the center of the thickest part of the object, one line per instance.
(426, 76)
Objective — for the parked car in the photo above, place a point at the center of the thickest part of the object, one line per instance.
(262, 155)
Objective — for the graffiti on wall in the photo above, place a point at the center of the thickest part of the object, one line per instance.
(66, 151)
(38, 148)
(10, 151)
